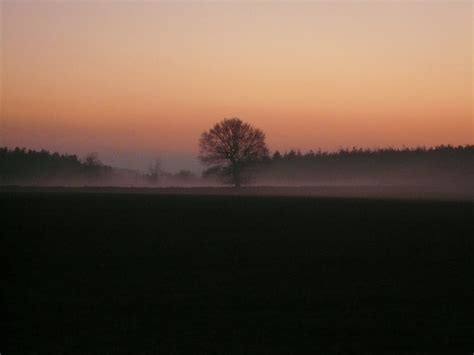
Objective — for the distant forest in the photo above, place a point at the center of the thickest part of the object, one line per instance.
(439, 165)
(20, 166)
(442, 164)
(29, 166)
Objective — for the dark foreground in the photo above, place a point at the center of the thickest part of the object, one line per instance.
(115, 273)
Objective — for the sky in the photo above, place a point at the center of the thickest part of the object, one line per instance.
(135, 80)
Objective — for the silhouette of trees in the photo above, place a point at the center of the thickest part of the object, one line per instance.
(36, 167)
(408, 165)
(93, 166)
(92, 160)
(231, 147)
(155, 171)
(452, 165)
(185, 175)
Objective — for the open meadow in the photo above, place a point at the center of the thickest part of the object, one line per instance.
(118, 272)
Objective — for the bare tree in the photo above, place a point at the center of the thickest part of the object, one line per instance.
(92, 160)
(155, 171)
(231, 146)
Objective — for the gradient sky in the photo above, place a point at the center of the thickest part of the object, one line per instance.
(137, 79)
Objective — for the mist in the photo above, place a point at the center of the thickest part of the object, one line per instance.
(444, 172)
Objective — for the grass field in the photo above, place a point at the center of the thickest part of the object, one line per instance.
(133, 273)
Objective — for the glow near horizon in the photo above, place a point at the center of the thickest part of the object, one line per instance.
(151, 76)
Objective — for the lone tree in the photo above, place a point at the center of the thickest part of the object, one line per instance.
(91, 160)
(155, 171)
(230, 147)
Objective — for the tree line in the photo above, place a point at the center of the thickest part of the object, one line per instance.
(236, 153)
(19, 165)
(32, 167)
(421, 165)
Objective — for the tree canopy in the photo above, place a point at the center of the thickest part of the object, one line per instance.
(230, 147)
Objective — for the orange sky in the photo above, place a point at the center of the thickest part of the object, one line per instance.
(135, 76)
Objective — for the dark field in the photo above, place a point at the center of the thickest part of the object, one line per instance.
(133, 273)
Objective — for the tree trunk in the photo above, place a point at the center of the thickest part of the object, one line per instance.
(236, 177)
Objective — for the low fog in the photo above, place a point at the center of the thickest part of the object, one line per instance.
(444, 172)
